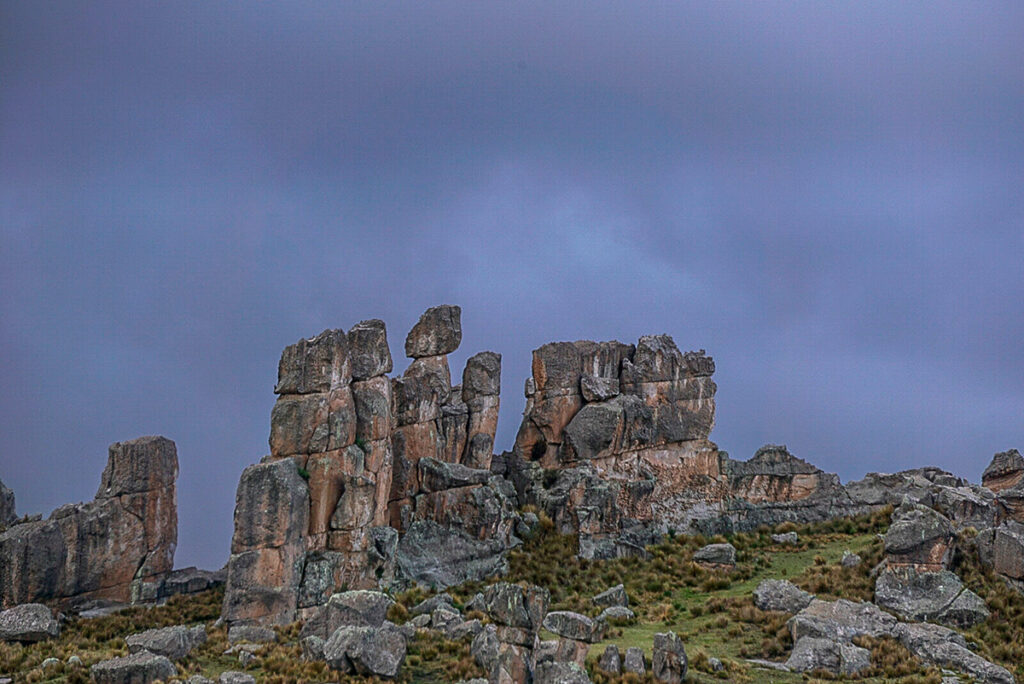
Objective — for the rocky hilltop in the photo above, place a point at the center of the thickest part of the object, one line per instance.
(378, 484)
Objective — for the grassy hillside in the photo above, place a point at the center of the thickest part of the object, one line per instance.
(711, 610)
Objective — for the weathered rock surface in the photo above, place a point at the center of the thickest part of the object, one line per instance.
(369, 651)
(668, 659)
(173, 642)
(1002, 549)
(781, 595)
(356, 608)
(837, 657)
(368, 349)
(922, 595)
(439, 331)
(919, 537)
(944, 647)
(615, 596)
(616, 613)
(611, 660)
(27, 623)
(633, 661)
(575, 626)
(120, 546)
(559, 672)
(138, 668)
(235, 677)
(1005, 471)
(8, 514)
(723, 555)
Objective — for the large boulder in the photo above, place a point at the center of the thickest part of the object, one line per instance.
(173, 642)
(357, 608)
(1005, 471)
(921, 595)
(837, 657)
(1002, 549)
(560, 672)
(668, 660)
(633, 661)
(781, 595)
(610, 660)
(442, 556)
(941, 646)
(438, 332)
(516, 606)
(575, 626)
(317, 364)
(118, 547)
(716, 555)
(138, 668)
(368, 651)
(27, 623)
(268, 547)
(919, 536)
(615, 596)
(841, 620)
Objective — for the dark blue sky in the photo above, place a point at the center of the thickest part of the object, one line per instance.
(825, 196)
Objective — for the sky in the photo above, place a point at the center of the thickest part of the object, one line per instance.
(826, 196)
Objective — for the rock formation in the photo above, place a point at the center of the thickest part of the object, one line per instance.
(7, 511)
(118, 547)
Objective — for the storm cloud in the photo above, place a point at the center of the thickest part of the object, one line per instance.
(825, 196)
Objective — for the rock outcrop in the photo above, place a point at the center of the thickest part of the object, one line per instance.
(1005, 471)
(118, 547)
(371, 481)
(8, 514)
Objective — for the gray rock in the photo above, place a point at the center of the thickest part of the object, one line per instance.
(482, 376)
(634, 661)
(436, 476)
(442, 600)
(929, 596)
(616, 596)
(28, 623)
(439, 331)
(245, 658)
(464, 629)
(768, 664)
(610, 661)
(615, 613)
(786, 538)
(312, 647)
(555, 672)
(598, 388)
(356, 608)
(1002, 549)
(251, 634)
(50, 662)
(716, 554)
(445, 618)
(839, 658)
(192, 581)
(368, 349)
(716, 665)
(8, 514)
(919, 535)
(199, 679)
(366, 650)
(441, 556)
(138, 668)
(514, 606)
(75, 661)
(575, 626)
(781, 595)
(841, 620)
(420, 621)
(174, 642)
(850, 560)
(235, 677)
(668, 662)
(476, 603)
(485, 646)
(317, 364)
(1006, 470)
(942, 646)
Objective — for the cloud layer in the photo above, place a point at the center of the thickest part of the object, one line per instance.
(826, 197)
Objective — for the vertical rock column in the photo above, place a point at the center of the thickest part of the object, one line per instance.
(422, 425)
(481, 389)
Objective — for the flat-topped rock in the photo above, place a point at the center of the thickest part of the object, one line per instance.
(173, 642)
(368, 349)
(28, 622)
(1005, 471)
(781, 595)
(138, 668)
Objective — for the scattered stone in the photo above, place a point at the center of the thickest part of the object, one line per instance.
(781, 595)
(245, 658)
(668, 663)
(50, 662)
(199, 679)
(467, 628)
(715, 664)
(251, 634)
(786, 538)
(841, 620)
(235, 677)
(767, 664)
(616, 596)
(575, 626)
(366, 651)
(723, 555)
(420, 621)
(555, 672)
(615, 614)
(312, 647)
(839, 658)
(611, 661)
(439, 331)
(445, 619)
(138, 668)
(75, 661)
(28, 623)
(174, 642)
(850, 560)
(634, 661)
(443, 600)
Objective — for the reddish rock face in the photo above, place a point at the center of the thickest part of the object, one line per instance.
(120, 546)
(1004, 472)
